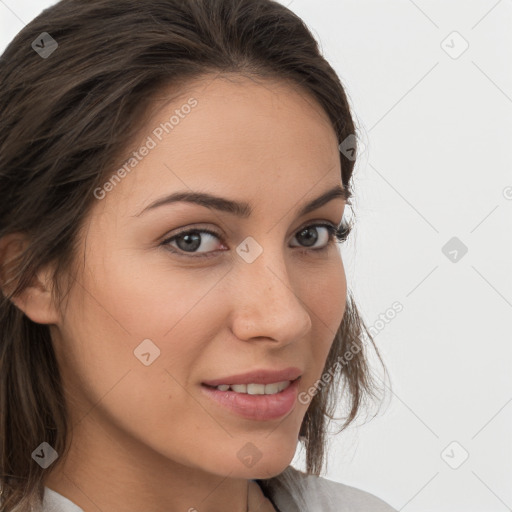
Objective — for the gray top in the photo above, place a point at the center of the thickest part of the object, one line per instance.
(291, 491)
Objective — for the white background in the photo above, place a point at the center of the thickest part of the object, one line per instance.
(437, 165)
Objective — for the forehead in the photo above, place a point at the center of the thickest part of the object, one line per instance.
(231, 134)
(234, 111)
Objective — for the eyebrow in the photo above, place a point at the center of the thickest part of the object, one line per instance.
(241, 209)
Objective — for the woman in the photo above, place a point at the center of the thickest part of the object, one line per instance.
(175, 317)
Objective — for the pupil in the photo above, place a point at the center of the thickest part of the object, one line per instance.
(192, 241)
(311, 239)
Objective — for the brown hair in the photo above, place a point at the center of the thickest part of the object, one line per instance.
(63, 127)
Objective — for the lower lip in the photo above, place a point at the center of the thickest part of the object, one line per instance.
(256, 407)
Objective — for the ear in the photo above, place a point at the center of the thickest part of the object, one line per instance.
(36, 300)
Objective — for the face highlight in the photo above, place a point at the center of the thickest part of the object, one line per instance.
(202, 289)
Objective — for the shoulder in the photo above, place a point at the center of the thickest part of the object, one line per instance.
(352, 498)
(55, 502)
(296, 490)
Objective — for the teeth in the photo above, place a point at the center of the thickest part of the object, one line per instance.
(256, 389)
(239, 388)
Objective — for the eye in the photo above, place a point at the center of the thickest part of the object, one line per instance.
(188, 241)
(309, 236)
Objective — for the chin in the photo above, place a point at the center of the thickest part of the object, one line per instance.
(258, 459)
(268, 461)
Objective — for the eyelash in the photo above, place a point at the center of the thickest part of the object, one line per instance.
(339, 233)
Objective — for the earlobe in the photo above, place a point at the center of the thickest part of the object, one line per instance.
(36, 299)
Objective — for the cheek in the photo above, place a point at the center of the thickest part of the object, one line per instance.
(103, 328)
(325, 294)
(327, 301)
(150, 296)
(123, 304)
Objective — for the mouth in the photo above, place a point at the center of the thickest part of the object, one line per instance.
(254, 388)
(255, 401)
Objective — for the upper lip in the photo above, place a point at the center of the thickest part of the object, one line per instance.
(260, 376)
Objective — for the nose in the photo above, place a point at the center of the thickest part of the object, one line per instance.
(266, 303)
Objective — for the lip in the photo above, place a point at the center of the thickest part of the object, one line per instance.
(259, 376)
(256, 407)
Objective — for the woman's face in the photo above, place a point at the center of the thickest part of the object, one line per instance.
(147, 322)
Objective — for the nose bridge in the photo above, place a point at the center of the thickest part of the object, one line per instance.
(265, 302)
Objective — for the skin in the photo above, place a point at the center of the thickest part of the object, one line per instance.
(145, 437)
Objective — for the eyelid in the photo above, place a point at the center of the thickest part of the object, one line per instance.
(199, 227)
